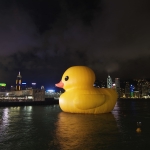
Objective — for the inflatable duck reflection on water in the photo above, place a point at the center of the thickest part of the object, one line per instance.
(80, 96)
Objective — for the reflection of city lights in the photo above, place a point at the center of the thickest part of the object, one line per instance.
(15, 108)
(5, 115)
(28, 108)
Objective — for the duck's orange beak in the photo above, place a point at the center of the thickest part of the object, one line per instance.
(60, 84)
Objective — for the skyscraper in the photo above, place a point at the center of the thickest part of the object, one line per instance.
(117, 83)
(18, 82)
(109, 82)
(144, 89)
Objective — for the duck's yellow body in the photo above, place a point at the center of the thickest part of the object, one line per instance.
(80, 96)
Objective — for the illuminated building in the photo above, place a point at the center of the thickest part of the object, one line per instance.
(144, 89)
(18, 82)
(2, 87)
(33, 85)
(131, 90)
(139, 87)
(23, 95)
(109, 82)
(117, 83)
(136, 94)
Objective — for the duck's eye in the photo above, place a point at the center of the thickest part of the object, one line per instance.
(66, 78)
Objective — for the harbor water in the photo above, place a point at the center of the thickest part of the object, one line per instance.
(48, 128)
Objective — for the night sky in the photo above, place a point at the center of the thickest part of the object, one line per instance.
(42, 38)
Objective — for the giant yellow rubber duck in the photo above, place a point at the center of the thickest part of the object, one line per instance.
(80, 96)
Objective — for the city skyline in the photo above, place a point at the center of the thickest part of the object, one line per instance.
(98, 83)
(41, 39)
(135, 88)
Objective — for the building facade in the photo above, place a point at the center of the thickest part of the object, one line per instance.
(117, 84)
(109, 82)
(18, 82)
(24, 95)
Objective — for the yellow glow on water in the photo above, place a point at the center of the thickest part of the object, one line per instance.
(47, 127)
(73, 129)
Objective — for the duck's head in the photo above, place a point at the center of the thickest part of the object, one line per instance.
(77, 77)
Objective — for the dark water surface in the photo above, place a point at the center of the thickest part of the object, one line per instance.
(48, 128)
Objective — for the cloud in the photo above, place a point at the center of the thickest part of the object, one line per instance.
(108, 36)
(119, 27)
(17, 32)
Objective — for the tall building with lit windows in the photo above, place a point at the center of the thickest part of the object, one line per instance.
(117, 83)
(131, 90)
(109, 82)
(144, 88)
(18, 82)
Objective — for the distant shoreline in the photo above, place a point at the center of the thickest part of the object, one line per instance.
(141, 99)
(52, 101)
(48, 101)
